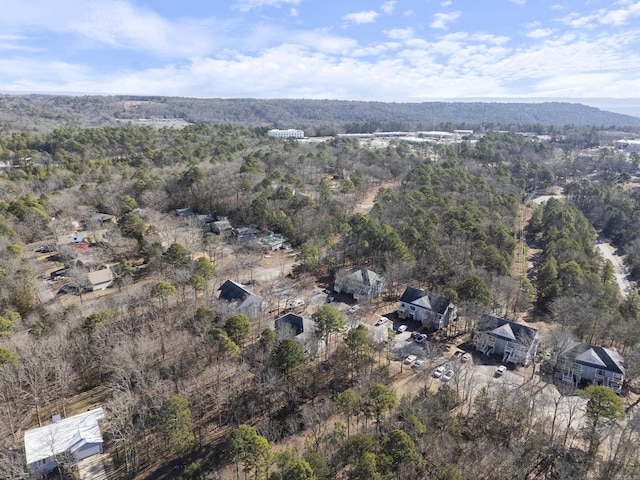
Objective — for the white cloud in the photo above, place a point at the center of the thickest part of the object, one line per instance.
(446, 3)
(361, 17)
(616, 17)
(518, 2)
(399, 33)
(246, 5)
(387, 7)
(540, 33)
(441, 20)
(115, 23)
(323, 41)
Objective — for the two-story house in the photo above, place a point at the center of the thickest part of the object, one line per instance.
(246, 301)
(585, 364)
(301, 329)
(359, 282)
(432, 310)
(514, 342)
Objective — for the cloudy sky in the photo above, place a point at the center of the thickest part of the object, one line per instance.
(401, 50)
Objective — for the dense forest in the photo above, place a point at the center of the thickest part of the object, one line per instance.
(194, 389)
(317, 117)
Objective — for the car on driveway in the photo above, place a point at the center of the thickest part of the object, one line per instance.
(458, 354)
(500, 371)
(421, 338)
(448, 375)
(418, 364)
(437, 373)
(410, 359)
(402, 328)
(381, 321)
(465, 358)
(354, 309)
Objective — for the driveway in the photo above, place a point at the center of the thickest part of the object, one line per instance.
(621, 275)
(92, 468)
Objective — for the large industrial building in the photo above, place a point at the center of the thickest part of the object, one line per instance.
(289, 133)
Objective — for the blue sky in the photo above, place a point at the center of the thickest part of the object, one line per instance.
(390, 50)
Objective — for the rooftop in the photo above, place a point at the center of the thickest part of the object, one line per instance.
(66, 435)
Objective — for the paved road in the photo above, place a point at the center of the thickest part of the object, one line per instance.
(620, 273)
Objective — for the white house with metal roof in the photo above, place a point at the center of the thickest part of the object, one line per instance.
(78, 436)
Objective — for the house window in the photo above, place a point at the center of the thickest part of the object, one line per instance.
(412, 307)
(600, 372)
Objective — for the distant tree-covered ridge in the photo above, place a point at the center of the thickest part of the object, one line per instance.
(45, 112)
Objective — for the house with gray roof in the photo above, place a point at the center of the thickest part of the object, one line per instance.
(246, 301)
(100, 279)
(513, 342)
(586, 364)
(77, 437)
(300, 328)
(432, 310)
(359, 282)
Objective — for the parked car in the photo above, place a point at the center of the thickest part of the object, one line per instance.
(458, 354)
(381, 321)
(448, 375)
(410, 359)
(421, 338)
(354, 309)
(402, 328)
(437, 373)
(500, 371)
(418, 364)
(330, 299)
(465, 358)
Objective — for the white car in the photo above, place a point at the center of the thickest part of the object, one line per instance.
(448, 375)
(465, 358)
(500, 371)
(421, 338)
(437, 373)
(418, 364)
(402, 328)
(354, 309)
(381, 321)
(410, 359)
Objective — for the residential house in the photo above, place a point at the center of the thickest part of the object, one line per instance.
(359, 282)
(78, 436)
(102, 219)
(585, 364)
(432, 310)
(220, 226)
(245, 234)
(184, 212)
(301, 329)
(274, 241)
(100, 279)
(514, 342)
(247, 302)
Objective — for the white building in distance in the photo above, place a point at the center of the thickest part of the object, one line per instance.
(628, 145)
(289, 133)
